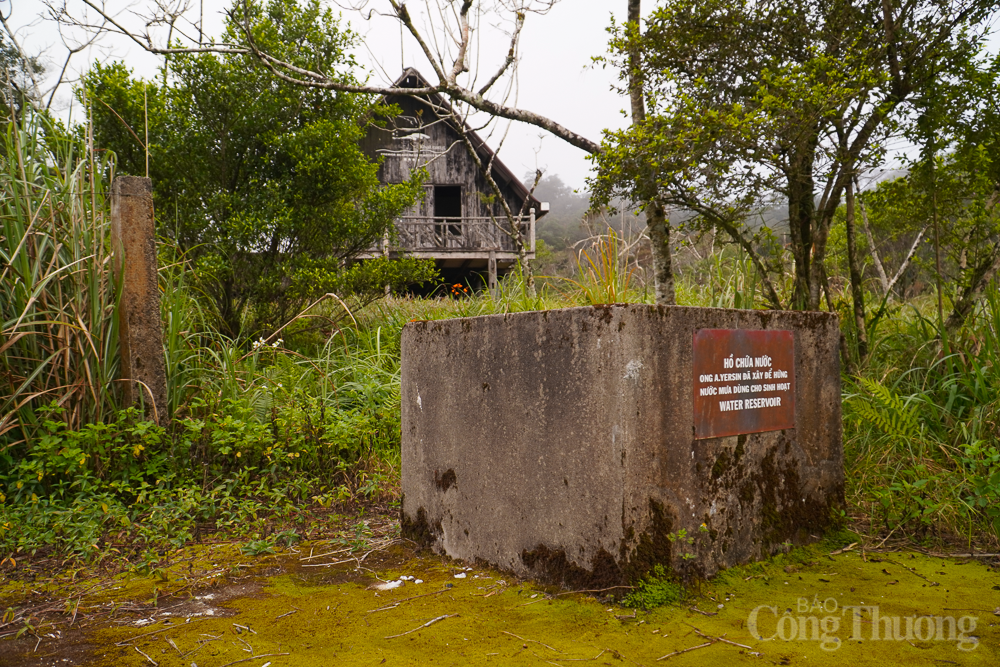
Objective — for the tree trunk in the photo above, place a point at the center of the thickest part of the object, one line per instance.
(801, 212)
(658, 228)
(657, 223)
(882, 275)
(857, 291)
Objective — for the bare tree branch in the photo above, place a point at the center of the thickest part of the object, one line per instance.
(906, 262)
(459, 67)
(447, 75)
(148, 44)
(70, 50)
(871, 241)
(511, 55)
(514, 223)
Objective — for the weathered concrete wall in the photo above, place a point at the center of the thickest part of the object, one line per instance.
(560, 444)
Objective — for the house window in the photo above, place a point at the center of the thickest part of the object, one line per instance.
(447, 211)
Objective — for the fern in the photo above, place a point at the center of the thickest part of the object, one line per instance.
(889, 412)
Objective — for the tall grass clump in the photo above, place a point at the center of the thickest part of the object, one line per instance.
(606, 272)
(58, 333)
(922, 425)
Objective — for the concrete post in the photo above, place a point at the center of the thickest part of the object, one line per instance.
(140, 328)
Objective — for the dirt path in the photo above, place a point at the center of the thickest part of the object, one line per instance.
(319, 604)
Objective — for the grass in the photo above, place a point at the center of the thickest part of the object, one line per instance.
(58, 333)
(921, 430)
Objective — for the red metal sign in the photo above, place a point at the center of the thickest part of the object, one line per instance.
(744, 381)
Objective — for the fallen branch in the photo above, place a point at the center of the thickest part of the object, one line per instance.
(912, 571)
(498, 589)
(584, 659)
(155, 664)
(837, 552)
(201, 645)
(339, 562)
(248, 649)
(968, 555)
(541, 599)
(329, 553)
(427, 624)
(530, 640)
(414, 597)
(720, 639)
(693, 648)
(355, 559)
(595, 590)
(254, 657)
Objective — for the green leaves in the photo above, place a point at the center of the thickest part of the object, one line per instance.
(887, 411)
(58, 338)
(656, 589)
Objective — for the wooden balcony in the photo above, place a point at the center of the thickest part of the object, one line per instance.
(455, 238)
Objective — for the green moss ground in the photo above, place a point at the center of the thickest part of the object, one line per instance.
(291, 615)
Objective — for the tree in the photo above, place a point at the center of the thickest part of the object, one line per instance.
(958, 131)
(16, 79)
(260, 181)
(898, 217)
(755, 103)
(657, 224)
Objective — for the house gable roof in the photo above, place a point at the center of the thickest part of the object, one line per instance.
(411, 78)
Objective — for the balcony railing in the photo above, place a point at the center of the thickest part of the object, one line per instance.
(466, 234)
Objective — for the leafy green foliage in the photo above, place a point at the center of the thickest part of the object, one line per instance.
(253, 437)
(920, 429)
(885, 410)
(656, 589)
(304, 435)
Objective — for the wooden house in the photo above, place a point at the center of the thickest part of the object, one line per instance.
(458, 223)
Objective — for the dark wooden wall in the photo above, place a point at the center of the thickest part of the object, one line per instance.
(444, 155)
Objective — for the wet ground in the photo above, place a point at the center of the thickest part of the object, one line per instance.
(323, 603)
